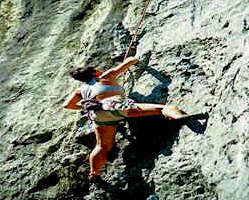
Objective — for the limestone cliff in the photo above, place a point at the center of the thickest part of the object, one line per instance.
(194, 54)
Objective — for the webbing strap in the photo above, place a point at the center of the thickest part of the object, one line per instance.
(111, 123)
(107, 123)
(116, 113)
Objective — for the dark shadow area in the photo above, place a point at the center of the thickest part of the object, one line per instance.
(193, 123)
(149, 137)
(45, 182)
(153, 136)
(88, 140)
(160, 92)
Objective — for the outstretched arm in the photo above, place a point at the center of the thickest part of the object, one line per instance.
(116, 71)
(71, 103)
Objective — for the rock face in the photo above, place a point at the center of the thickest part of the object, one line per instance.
(194, 54)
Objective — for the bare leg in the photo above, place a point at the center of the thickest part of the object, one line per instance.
(173, 112)
(146, 109)
(105, 136)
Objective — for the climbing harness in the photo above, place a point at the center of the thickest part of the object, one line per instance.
(134, 37)
(94, 105)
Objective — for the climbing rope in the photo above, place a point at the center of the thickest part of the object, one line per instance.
(134, 37)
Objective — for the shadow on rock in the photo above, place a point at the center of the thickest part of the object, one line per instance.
(152, 136)
(160, 92)
(149, 137)
(196, 126)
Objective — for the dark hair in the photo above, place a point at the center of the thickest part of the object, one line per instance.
(82, 74)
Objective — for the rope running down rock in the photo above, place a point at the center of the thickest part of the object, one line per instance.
(134, 37)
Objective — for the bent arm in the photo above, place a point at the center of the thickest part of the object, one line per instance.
(71, 103)
(116, 71)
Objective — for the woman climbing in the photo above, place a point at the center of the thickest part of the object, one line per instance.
(106, 103)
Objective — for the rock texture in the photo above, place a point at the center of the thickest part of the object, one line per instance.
(194, 54)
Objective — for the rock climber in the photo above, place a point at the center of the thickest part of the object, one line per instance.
(107, 105)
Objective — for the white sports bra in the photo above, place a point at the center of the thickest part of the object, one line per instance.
(94, 88)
